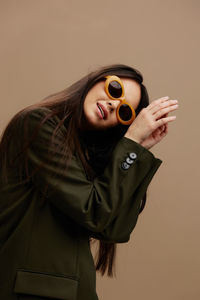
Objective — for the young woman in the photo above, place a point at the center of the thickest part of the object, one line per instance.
(75, 167)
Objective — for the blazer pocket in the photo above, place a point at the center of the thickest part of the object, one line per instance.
(46, 285)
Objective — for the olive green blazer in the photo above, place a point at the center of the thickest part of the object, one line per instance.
(44, 240)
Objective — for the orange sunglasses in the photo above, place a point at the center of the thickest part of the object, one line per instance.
(115, 90)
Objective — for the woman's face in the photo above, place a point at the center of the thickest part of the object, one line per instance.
(97, 96)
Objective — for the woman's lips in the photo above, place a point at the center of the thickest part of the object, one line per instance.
(102, 111)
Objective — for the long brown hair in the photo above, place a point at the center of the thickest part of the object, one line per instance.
(68, 106)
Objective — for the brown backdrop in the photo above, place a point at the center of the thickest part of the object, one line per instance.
(46, 45)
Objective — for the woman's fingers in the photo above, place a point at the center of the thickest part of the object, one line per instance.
(164, 111)
(162, 128)
(163, 121)
(157, 102)
(160, 105)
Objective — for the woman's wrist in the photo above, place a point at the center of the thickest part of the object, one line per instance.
(133, 138)
(146, 145)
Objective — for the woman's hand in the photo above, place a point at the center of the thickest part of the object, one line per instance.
(156, 136)
(151, 124)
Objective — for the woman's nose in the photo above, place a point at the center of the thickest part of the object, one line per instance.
(113, 104)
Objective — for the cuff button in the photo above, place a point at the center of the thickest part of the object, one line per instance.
(129, 161)
(133, 155)
(125, 166)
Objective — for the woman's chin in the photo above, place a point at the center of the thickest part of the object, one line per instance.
(95, 123)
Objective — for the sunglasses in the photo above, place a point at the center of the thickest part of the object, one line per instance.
(115, 90)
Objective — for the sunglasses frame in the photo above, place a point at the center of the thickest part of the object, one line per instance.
(110, 78)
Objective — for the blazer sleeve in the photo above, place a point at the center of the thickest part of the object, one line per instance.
(119, 230)
(100, 205)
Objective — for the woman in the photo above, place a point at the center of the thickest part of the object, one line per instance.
(76, 167)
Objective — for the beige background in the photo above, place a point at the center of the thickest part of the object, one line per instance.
(46, 45)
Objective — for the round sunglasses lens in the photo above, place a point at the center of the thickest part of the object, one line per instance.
(115, 89)
(125, 112)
